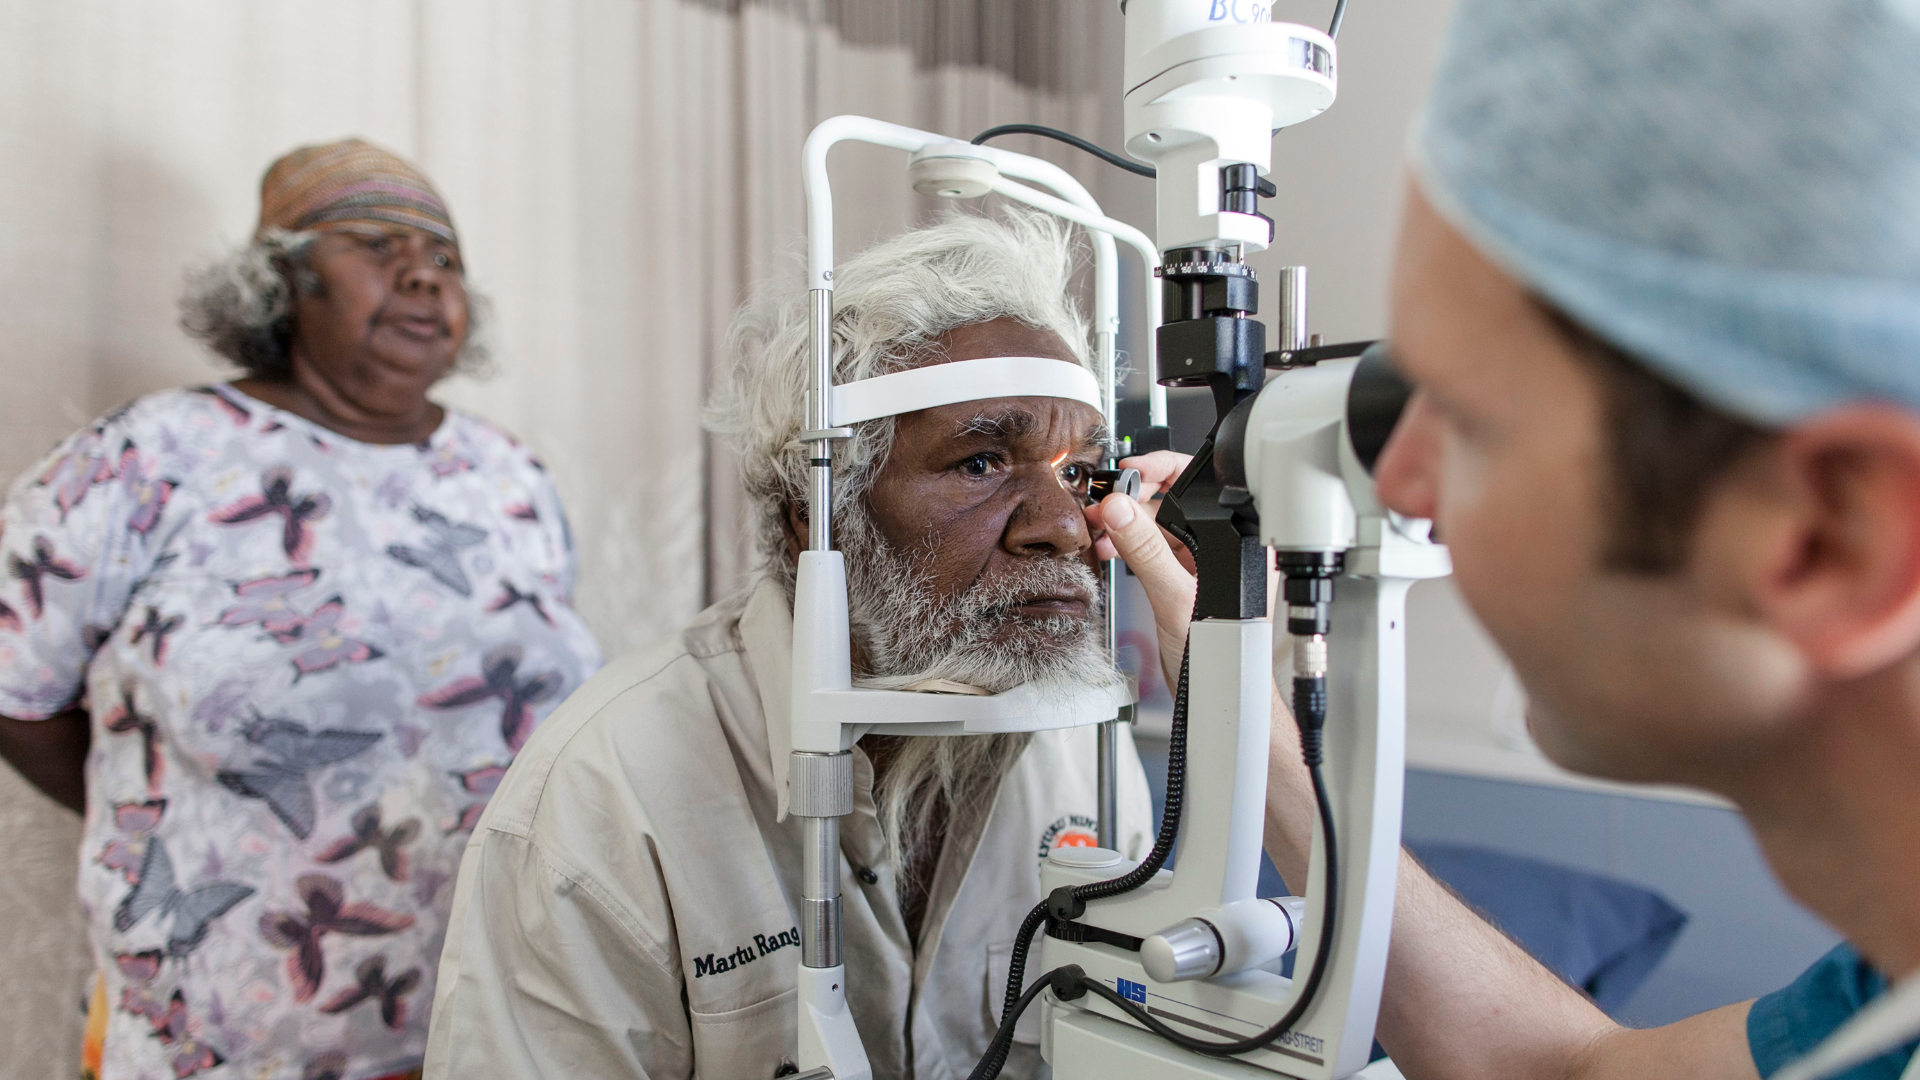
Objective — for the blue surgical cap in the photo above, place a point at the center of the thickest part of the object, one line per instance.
(1728, 190)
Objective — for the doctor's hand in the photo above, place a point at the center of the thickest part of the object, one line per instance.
(1125, 529)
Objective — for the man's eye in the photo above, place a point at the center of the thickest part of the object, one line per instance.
(379, 244)
(977, 465)
(1076, 476)
(442, 260)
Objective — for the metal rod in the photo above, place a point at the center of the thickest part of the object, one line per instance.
(820, 893)
(820, 492)
(1293, 307)
(1106, 747)
(1107, 831)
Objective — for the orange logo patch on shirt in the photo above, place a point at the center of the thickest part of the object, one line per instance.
(1073, 830)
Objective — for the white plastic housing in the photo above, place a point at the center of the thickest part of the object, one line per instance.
(1249, 933)
(827, 1033)
(1295, 465)
(1208, 82)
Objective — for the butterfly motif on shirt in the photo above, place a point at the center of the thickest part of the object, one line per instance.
(138, 820)
(126, 719)
(441, 554)
(137, 996)
(482, 782)
(191, 911)
(510, 596)
(285, 753)
(187, 1053)
(9, 618)
(375, 986)
(326, 645)
(149, 493)
(523, 511)
(265, 601)
(45, 564)
(277, 498)
(73, 474)
(445, 461)
(368, 835)
(500, 679)
(158, 628)
(327, 913)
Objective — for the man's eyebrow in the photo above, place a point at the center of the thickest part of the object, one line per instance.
(1019, 423)
(1008, 423)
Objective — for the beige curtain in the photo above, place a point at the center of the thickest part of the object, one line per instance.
(620, 170)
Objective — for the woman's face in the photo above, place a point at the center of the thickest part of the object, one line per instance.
(387, 321)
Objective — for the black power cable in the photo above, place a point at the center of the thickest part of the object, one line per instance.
(1070, 139)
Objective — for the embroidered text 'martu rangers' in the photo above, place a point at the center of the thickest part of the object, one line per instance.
(715, 963)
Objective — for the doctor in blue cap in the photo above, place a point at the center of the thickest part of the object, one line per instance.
(1658, 283)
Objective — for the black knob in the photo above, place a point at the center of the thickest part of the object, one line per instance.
(1107, 481)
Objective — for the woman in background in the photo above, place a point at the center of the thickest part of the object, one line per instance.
(279, 638)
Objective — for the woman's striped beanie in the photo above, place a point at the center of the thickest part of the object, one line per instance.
(351, 186)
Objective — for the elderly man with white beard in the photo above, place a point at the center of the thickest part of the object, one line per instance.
(628, 905)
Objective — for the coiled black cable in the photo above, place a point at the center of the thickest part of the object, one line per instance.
(1311, 722)
(1070, 981)
(1133, 879)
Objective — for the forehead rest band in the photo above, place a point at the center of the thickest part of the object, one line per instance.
(963, 380)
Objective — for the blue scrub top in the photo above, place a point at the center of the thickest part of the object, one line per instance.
(1787, 1024)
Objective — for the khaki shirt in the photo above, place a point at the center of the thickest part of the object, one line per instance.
(628, 906)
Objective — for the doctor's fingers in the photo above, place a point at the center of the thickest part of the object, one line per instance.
(1158, 470)
(1135, 538)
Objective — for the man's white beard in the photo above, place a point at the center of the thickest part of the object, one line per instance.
(977, 638)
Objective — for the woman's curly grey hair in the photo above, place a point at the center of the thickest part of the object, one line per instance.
(242, 305)
(891, 302)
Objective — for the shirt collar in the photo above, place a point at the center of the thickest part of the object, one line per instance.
(766, 630)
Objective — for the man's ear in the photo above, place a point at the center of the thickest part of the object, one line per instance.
(793, 521)
(1838, 572)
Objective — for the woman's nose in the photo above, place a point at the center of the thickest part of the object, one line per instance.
(418, 272)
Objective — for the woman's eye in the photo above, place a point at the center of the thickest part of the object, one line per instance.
(977, 465)
(442, 260)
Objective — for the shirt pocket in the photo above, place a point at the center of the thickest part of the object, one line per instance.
(753, 1040)
(999, 965)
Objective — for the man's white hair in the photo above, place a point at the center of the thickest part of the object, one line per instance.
(891, 302)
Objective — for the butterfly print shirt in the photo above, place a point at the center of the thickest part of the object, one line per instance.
(308, 661)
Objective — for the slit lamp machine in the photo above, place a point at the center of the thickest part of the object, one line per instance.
(1140, 970)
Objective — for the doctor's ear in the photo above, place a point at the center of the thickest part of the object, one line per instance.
(1832, 518)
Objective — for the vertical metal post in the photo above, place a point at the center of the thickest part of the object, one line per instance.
(1107, 736)
(820, 790)
(819, 420)
(820, 893)
(1293, 307)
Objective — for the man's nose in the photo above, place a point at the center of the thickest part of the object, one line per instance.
(1048, 518)
(1407, 474)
